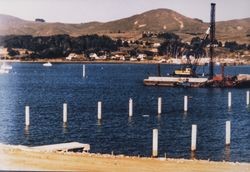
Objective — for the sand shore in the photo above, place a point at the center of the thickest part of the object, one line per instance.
(23, 158)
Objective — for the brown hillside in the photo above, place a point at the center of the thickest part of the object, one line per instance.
(160, 20)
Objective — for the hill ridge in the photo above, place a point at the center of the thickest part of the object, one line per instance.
(155, 20)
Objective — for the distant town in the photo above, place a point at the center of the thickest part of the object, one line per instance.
(151, 47)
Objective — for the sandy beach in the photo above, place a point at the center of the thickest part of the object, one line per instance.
(24, 158)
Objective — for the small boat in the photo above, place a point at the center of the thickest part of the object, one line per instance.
(48, 64)
(3, 71)
(217, 63)
(6, 66)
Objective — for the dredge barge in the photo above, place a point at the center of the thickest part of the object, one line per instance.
(187, 77)
(238, 81)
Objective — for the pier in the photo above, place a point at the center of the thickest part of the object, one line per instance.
(64, 147)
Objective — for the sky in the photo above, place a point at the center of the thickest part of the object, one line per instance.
(82, 11)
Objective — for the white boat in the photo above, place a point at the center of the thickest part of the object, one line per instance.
(217, 63)
(6, 66)
(2, 71)
(48, 64)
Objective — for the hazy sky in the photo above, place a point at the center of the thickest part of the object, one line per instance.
(81, 11)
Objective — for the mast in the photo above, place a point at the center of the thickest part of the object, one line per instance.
(212, 40)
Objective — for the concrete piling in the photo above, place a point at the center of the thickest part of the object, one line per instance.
(229, 99)
(159, 105)
(193, 137)
(99, 111)
(185, 103)
(155, 143)
(228, 132)
(130, 107)
(248, 98)
(83, 71)
(65, 112)
(27, 115)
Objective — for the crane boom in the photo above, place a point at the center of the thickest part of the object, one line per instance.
(212, 40)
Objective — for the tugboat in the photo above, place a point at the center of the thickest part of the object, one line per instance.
(187, 77)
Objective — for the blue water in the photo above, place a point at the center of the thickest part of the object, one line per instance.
(46, 89)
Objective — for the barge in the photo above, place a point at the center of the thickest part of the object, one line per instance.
(218, 81)
(172, 81)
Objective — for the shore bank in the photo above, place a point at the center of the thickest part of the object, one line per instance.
(60, 60)
(24, 158)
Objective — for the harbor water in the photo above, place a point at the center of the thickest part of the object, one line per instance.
(45, 89)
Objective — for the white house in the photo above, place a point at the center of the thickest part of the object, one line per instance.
(94, 56)
(141, 56)
(71, 55)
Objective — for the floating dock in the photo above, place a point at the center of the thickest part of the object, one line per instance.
(65, 147)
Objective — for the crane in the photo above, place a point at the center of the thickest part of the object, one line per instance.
(189, 69)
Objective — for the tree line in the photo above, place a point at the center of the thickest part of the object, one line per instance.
(62, 45)
(58, 45)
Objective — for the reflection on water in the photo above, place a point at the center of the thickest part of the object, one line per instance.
(26, 131)
(129, 120)
(99, 122)
(46, 89)
(64, 128)
(227, 153)
(192, 155)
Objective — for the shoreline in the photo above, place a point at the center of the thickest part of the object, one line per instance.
(60, 61)
(25, 158)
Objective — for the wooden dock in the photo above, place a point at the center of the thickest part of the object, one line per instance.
(63, 147)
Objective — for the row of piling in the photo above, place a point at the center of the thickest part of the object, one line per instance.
(155, 131)
(99, 108)
(193, 138)
(230, 99)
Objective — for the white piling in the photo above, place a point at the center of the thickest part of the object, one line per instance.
(159, 105)
(155, 143)
(185, 103)
(83, 71)
(130, 107)
(27, 115)
(99, 111)
(228, 132)
(229, 99)
(248, 98)
(65, 112)
(193, 137)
